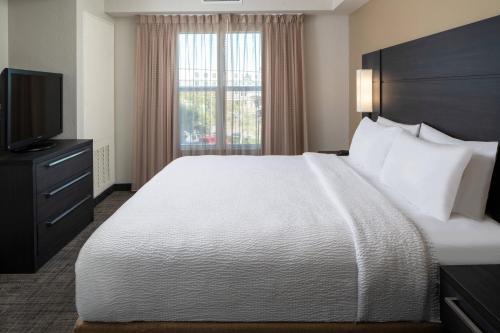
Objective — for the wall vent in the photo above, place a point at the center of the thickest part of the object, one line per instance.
(102, 169)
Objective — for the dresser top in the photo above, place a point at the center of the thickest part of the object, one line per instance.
(61, 147)
(480, 282)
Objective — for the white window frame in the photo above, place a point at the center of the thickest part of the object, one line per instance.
(220, 97)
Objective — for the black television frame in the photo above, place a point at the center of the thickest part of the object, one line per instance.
(7, 81)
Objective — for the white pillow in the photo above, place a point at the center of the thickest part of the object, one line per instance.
(371, 143)
(412, 129)
(473, 191)
(427, 174)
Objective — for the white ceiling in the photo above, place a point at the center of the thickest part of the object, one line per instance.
(347, 7)
(133, 7)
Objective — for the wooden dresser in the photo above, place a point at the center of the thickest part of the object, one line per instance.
(45, 200)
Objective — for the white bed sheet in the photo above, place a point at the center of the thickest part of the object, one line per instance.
(459, 241)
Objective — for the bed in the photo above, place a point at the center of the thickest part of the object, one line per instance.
(185, 249)
(171, 262)
(308, 243)
(294, 241)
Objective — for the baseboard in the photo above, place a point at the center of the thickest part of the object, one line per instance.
(111, 189)
(103, 195)
(122, 187)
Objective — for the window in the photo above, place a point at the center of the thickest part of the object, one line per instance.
(219, 77)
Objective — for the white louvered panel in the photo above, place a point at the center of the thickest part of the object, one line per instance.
(102, 169)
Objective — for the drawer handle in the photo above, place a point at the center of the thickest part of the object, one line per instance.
(51, 164)
(60, 217)
(465, 319)
(68, 184)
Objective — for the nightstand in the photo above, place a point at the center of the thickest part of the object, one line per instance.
(470, 298)
(336, 152)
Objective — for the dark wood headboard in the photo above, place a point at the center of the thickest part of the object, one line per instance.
(450, 81)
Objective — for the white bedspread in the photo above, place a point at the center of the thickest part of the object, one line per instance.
(241, 238)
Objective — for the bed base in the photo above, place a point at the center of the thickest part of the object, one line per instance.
(209, 327)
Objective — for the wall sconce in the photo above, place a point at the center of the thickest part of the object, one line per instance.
(364, 90)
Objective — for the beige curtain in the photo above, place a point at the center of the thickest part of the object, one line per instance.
(160, 133)
(155, 119)
(283, 97)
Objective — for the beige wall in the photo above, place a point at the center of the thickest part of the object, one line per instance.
(383, 23)
(98, 96)
(94, 7)
(42, 37)
(4, 35)
(327, 88)
(124, 96)
(326, 40)
(95, 87)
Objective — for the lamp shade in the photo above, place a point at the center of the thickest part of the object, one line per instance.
(364, 90)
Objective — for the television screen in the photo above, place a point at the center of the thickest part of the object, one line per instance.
(35, 108)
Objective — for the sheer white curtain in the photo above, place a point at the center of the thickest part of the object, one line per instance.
(219, 89)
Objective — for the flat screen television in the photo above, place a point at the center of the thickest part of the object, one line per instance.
(33, 108)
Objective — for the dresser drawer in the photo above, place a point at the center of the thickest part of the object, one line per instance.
(454, 317)
(54, 234)
(458, 315)
(55, 200)
(63, 167)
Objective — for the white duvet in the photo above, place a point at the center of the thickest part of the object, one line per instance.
(242, 239)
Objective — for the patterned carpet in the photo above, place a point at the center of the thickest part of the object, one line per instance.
(45, 301)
